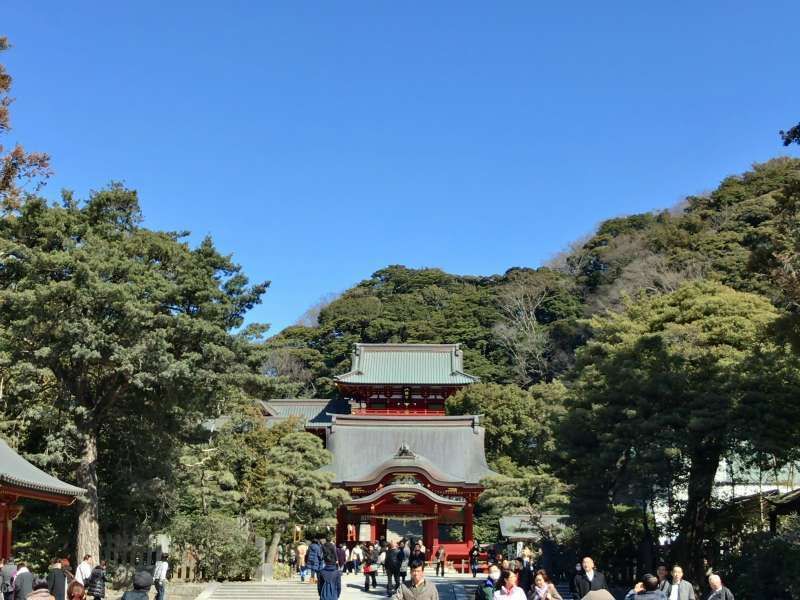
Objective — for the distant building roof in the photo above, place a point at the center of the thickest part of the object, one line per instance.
(364, 446)
(312, 411)
(518, 527)
(17, 472)
(407, 364)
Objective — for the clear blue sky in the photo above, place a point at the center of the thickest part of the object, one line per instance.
(321, 141)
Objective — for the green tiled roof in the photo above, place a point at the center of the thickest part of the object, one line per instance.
(408, 364)
(18, 472)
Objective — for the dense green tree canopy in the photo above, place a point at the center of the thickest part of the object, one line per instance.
(402, 305)
(519, 423)
(105, 323)
(666, 389)
(289, 488)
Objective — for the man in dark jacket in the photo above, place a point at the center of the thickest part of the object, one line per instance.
(341, 556)
(57, 580)
(589, 579)
(718, 591)
(391, 563)
(96, 585)
(142, 582)
(329, 581)
(524, 575)
(647, 589)
(314, 558)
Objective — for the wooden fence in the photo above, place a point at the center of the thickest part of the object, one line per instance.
(127, 554)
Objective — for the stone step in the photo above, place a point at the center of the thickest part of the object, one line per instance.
(270, 591)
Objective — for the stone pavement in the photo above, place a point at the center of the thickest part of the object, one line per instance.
(452, 587)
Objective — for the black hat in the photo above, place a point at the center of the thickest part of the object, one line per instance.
(142, 580)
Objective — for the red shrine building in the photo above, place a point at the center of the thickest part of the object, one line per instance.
(411, 470)
(19, 479)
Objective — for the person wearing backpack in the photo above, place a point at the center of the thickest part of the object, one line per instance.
(8, 571)
(329, 578)
(96, 584)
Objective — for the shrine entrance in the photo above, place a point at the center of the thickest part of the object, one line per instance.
(397, 529)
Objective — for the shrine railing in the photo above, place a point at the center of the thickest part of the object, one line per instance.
(397, 412)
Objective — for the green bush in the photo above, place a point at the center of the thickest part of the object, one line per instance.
(766, 567)
(220, 545)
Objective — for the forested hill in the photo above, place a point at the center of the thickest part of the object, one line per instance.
(523, 326)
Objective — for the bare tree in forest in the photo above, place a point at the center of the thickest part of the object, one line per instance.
(17, 167)
(520, 332)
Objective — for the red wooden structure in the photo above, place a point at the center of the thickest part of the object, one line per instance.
(18, 480)
(411, 471)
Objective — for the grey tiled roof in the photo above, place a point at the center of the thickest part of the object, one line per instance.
(18, 472)
(449, 447)
(519, 526)
(311, 410)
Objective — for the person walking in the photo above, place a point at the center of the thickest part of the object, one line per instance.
(441, 559)
(302, 567)
(329, 577)
(588, 579)
(23, 582)
(370, 568)
(142, 582)
(7, 572)
(391, 563)
(357, 556)
(57, 580)
(84, 570)
(718, 591)
(314, 559)
(418, 588)
(678, 588)
(486, 591)
(474, 558)
(418, 554)
(507, 588)
(341, 557)
(543, 588)
(662, 572)
(40, 591)
(96, 587)
(524, 575)
(405, 559)
(160, 576)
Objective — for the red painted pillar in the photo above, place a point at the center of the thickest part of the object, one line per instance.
(5, 531)
(341, 525)
(373, 529)
(468, 533)
(434, 534)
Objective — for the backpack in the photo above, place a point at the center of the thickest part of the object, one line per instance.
(7, 584)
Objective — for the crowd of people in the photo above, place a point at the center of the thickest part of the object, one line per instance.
(87, 581)
(403, 564)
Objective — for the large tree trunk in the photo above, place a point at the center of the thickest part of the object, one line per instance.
(272, 553)
(88, 507)
(690, 550)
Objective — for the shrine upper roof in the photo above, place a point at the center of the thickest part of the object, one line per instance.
(449, 449)
(407, 364)
(18, 473)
